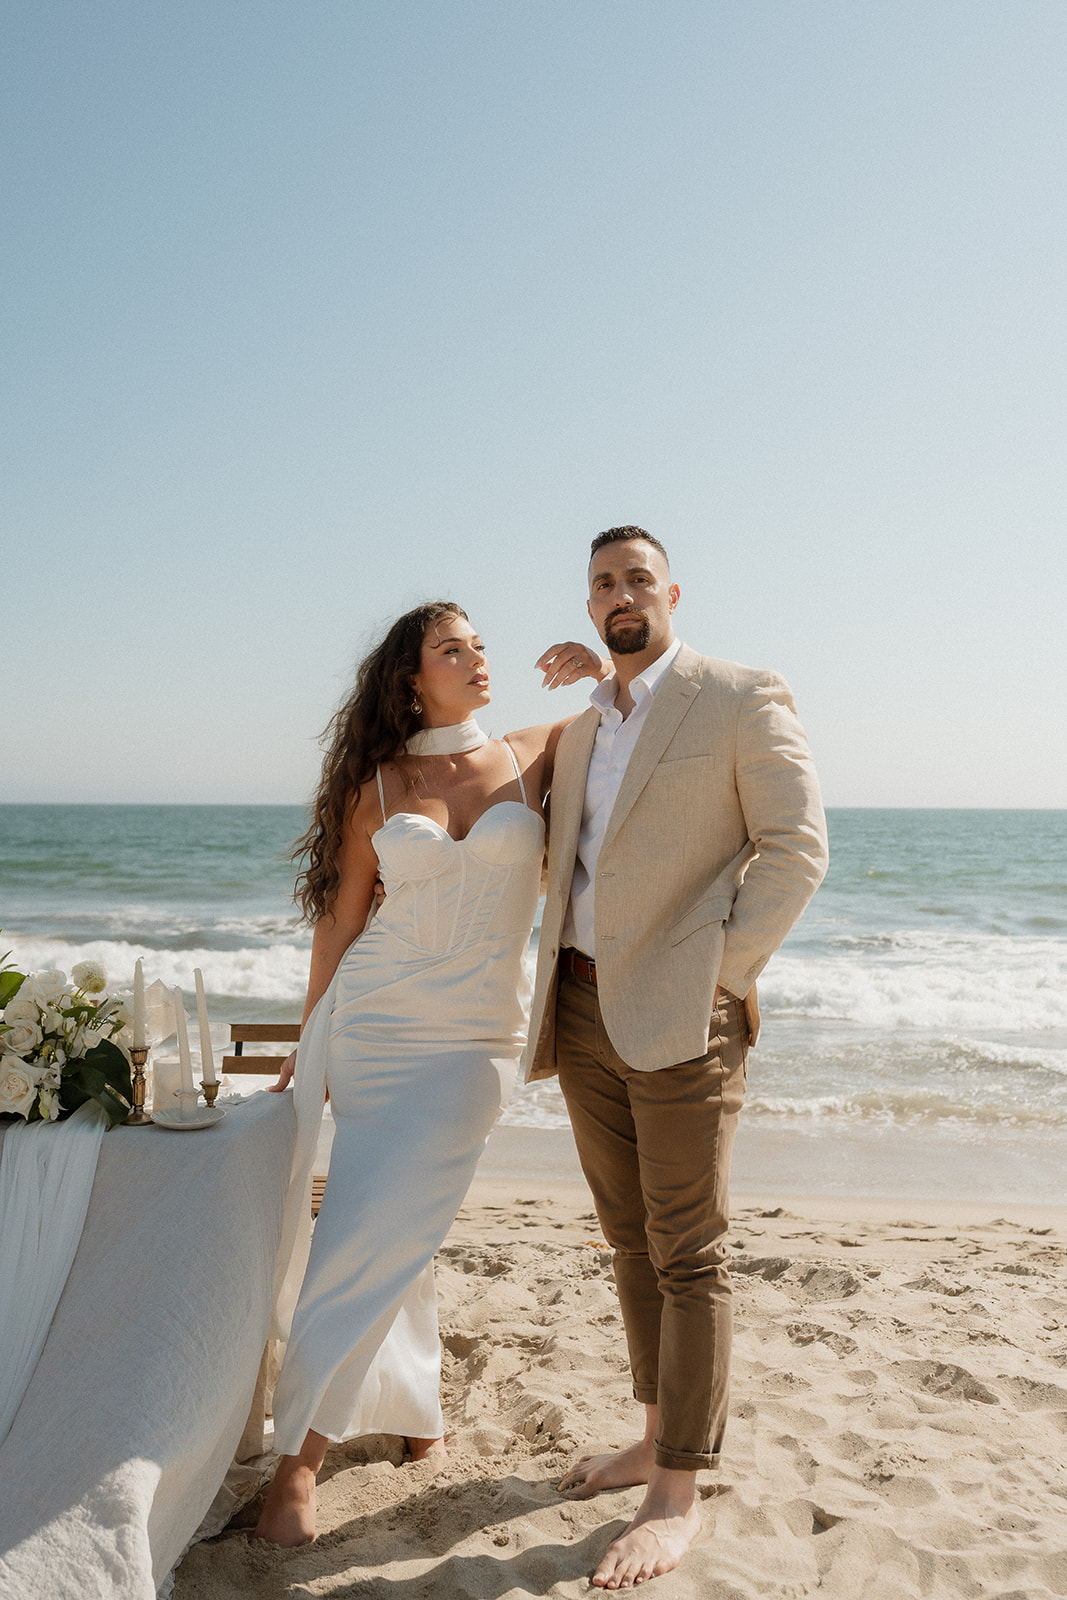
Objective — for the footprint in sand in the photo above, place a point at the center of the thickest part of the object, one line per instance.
(1029, 1395)
(826, 1283)
(802, 1333)
(944, 1380)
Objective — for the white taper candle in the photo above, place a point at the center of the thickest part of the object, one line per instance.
(207, 1059)
(184, 1057)
(138, 1004)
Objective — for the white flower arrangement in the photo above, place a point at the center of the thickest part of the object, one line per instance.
(89, 976)
(62, 1044)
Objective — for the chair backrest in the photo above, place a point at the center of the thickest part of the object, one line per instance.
(242, 1033)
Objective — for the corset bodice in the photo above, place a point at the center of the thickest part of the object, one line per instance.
(444, 893)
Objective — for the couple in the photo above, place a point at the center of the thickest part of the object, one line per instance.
(687, 837)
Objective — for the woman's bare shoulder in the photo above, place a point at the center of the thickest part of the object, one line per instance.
(364, 815)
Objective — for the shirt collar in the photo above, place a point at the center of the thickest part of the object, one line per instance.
(642, 688)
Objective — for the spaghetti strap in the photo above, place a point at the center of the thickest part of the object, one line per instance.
(518, 773)
(381, 791)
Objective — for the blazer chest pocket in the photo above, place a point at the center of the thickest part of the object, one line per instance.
(715, 909)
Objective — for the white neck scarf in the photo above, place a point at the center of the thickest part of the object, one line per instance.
(454, 740)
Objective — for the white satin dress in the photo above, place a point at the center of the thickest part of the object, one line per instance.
(428, 1016)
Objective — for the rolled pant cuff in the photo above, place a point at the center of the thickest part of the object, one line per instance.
(646, 1393)
(685, 1460)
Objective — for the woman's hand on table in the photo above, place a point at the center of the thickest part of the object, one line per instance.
(285, 1077)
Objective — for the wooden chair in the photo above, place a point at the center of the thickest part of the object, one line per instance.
(242, 1033)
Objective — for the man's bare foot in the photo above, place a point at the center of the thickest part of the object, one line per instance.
(646, 1550)
(619, 1470)
(421, 1449)
(288, 1517)
(665, 1526)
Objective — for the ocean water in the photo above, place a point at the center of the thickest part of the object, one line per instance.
(181, 886)
(915, 1035)
(914, 1023)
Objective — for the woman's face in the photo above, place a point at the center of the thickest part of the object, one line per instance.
(453, 677)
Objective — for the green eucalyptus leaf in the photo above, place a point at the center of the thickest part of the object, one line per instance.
(73, 1089)
(10, 984)
(103, 1075)
(116, 1106)
(110, 1059)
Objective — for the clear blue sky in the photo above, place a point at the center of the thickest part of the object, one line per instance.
(317, 310)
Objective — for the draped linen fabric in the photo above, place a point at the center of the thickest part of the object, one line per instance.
(46, 1178)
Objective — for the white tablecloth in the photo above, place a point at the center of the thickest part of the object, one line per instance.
(143, 1388)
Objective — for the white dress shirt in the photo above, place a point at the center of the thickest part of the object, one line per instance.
(612, 749)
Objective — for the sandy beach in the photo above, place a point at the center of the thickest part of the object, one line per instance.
(898, 1418)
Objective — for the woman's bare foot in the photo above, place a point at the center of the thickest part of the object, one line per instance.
(665, 1526)
(420, 1449)
(619, 1470)
(288, 1517)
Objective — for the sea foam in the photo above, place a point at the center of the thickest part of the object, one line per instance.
(928, 982)
(269, 973)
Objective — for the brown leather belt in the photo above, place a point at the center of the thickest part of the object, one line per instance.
(578, 966)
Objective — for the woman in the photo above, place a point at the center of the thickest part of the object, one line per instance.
(414, 1024)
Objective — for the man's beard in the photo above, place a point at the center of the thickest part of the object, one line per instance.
(627, 641)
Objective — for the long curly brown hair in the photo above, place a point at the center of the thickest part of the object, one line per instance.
(371, 726)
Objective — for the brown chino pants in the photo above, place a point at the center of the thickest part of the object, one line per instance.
(655, 1149)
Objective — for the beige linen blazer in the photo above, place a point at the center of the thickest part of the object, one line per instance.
(715, 845)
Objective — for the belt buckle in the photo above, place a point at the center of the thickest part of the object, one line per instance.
(581, 966)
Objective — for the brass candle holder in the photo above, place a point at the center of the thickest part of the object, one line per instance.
(138, 1117)
(210, 1091)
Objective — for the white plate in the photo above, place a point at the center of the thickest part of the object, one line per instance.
(203, 1117)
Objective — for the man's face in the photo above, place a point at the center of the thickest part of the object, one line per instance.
(631, 598)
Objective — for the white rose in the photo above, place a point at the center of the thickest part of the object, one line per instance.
(21, 1038)
(90, 977)
(18, 1085)
(47, 987)
(23, 1008)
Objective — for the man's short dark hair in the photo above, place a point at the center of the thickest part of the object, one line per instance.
(613, 535)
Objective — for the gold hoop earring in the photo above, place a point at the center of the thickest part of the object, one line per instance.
(416, 706)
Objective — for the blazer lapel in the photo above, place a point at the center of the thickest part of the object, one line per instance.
(669, 705)
(568, 794)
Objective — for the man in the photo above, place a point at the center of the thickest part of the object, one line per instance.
(687, 836)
